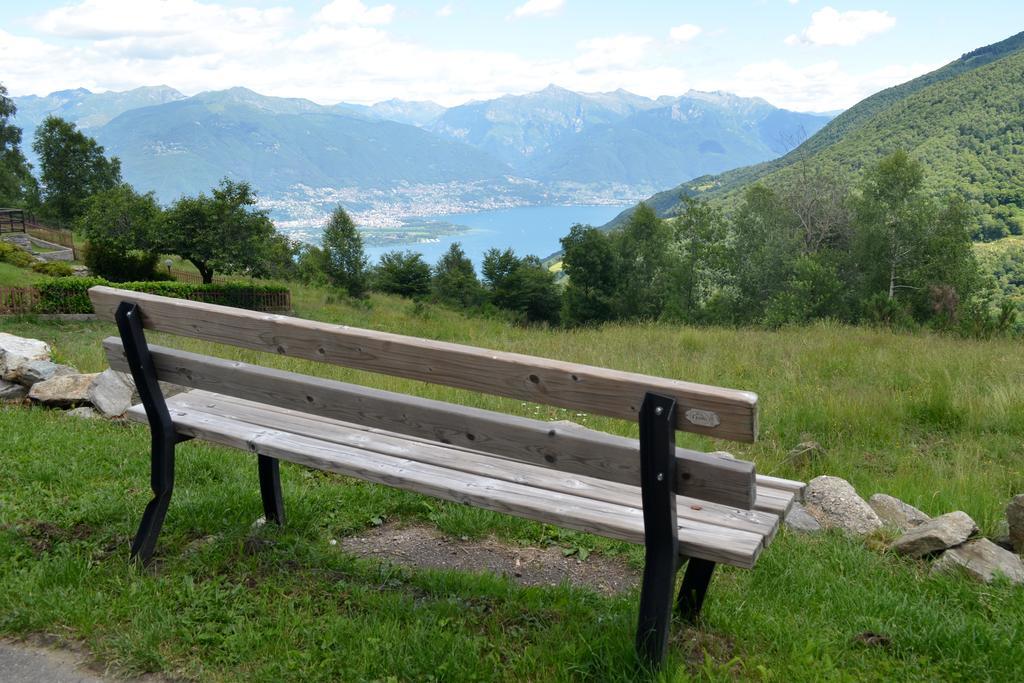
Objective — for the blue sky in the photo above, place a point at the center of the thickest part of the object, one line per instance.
(800, 54)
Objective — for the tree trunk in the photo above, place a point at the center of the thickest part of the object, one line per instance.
(205, 271)
(892, 280)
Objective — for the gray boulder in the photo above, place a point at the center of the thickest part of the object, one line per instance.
(944, 531)
(896, 513)
(1001, 537)
(110, 394)
(983, 560)
(65, 391)
(10, 391)
(39, 371)
(834, 503)
(18, 351)
(1015, 520)
(798, 519)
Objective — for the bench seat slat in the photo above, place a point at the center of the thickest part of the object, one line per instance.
(713, 411)
(466, 460)
(561, 446)
(697, 539)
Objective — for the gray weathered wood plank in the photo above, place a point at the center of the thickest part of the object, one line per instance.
(469, 461)
(696, 539)
(713, 411)
(561, 446)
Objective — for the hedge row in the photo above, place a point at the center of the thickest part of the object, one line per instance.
(71, 294)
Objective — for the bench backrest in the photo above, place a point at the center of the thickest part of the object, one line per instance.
(717, 412)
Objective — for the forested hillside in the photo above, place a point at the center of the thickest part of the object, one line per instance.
(965, 122)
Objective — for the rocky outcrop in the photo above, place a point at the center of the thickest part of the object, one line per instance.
(798, 519)
(65, 391)
(983, 560)
(36, 371)
(1015, 521)
(16, 352)
(945, 531)
(895, 513)
(9, 391)
(834, 503)
(110, 394)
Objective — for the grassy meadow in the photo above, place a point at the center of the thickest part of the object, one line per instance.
(934, 420)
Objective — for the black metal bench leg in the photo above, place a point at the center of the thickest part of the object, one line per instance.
(270, 489)
(694, 588)
(161, 427)
(162, 482)
(661, 535)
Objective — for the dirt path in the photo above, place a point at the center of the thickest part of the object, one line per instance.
(425, 547)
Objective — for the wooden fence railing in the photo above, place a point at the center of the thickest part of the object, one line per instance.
(18, 299)
(12, 220)
(192, 278)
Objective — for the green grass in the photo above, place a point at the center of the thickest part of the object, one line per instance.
(13, 276)
(934, 420)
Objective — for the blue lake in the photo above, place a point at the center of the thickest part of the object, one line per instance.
(526, 230)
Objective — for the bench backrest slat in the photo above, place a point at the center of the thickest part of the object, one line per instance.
(713, 411)
(562, 446)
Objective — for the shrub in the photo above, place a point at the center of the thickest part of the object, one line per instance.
(71, 294)
(53, 268)
(120, 266)
(405, 274)
(15, 256)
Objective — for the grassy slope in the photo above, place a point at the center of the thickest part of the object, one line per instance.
(936, 421)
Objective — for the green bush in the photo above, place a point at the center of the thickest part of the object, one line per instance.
(15, 256)
(120, 266)
(71, 294)
(53, 268)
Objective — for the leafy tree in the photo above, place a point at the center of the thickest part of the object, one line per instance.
(521, 285)
(280, 259)
(454, 281)
(590, 263)
(645, 263)
(906, 244)
(402, 273)
(344, 259)
(17, 185)
(221, 232)
(696, 256)
(121, 227)
(311, 265)
(73, 168)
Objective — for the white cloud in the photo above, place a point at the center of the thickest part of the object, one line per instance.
(445, 11)
(684, 33)
(615, 51)
(818, 87)
(355, 12)
(533, 8)
(106, 19)
(829, 26)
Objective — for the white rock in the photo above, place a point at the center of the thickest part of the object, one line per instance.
(945, 531)
(83, 412)
(63, 392)
(39, 371)
(896, 513)
(10, 391)
(983, 560)
(798, 519)
(835, 504)
(17, 351)
(110, 394)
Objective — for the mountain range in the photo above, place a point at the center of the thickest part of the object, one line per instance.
(529, 145)
(963, 121)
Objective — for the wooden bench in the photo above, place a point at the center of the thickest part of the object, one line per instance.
(686, 507)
